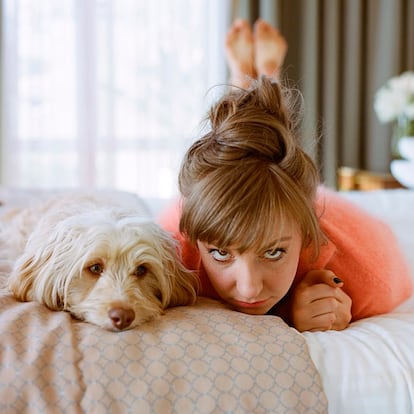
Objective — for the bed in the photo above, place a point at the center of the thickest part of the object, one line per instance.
(207, 358)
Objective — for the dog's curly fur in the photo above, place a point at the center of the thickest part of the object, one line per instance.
(103, 264)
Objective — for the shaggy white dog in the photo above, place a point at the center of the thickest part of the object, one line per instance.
(107, 265)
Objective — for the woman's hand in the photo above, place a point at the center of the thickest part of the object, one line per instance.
(319, 304)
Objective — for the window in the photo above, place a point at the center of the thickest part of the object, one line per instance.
(106, 93)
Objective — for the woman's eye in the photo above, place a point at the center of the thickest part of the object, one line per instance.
(141, 270)
(96, 268)
(274, 254)
(220, 255)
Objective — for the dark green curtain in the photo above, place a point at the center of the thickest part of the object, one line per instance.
(340, 53)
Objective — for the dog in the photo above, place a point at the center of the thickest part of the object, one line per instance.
(105, 264)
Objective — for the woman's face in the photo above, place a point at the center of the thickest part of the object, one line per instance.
(255, 281)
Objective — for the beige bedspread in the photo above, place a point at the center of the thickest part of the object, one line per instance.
(202, 359)
(197, 359)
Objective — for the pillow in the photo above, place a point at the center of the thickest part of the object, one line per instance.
(203, 358)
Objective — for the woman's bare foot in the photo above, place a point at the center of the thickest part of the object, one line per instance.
(240, 53)
(270, 49)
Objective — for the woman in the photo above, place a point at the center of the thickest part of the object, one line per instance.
(256, 226)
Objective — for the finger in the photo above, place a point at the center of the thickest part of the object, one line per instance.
(333, 312)
(341, 311)
(322, 276)
(323, 306)
(322, 322)
(319, 314)
(342, 297)
(320, 291)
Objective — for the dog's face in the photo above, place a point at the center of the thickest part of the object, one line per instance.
(110, 269)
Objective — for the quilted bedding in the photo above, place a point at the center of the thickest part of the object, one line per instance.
(203, 359)
(197, 359)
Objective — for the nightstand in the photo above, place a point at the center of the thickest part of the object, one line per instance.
(354, 179)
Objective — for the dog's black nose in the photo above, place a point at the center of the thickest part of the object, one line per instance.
(121, 318)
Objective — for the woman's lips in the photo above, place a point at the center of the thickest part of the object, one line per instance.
(250, 305)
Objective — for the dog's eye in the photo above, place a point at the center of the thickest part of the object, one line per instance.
(96, 268)
(141, 271)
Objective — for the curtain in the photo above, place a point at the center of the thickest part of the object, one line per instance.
(340, 53)
(106, 93)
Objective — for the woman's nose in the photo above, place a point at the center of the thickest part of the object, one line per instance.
(248, 282)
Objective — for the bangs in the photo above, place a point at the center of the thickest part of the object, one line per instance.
(247, 208)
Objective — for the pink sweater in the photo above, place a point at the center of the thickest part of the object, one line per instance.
(361, 250)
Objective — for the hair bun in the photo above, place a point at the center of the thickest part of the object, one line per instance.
(264, 98)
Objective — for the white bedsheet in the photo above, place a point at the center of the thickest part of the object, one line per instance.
(369, 367)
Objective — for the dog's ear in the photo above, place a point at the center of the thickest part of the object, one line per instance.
(21, 279)
(40, 273)
(32, 279)
(183, 284)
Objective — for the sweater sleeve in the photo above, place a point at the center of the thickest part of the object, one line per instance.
(364, 253)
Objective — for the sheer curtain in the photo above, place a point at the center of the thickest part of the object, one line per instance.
(106, 93)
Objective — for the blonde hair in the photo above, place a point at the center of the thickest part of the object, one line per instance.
(248, 172)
